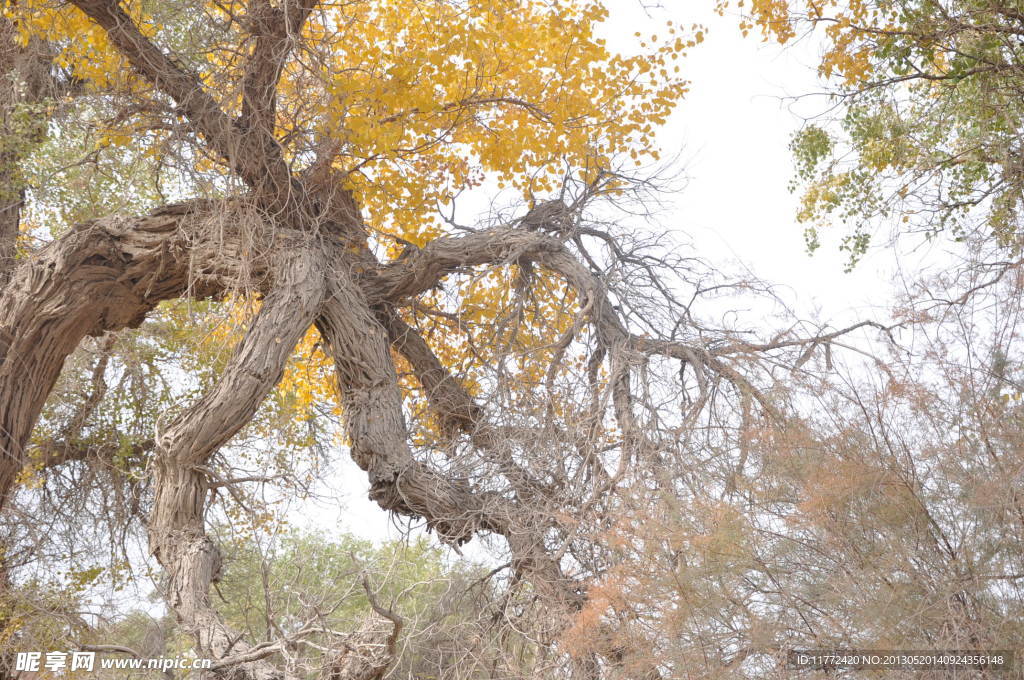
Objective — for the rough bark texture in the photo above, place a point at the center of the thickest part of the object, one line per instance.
(453, 406)
(176, 527)
(110, 273)
(103, 276)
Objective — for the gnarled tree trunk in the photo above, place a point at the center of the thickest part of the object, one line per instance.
(312, 266)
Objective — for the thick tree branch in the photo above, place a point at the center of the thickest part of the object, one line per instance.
(277, 30)
(451, 403)
(421, 269)
(176, 526)
(286, 314)
(102, 276)
(256, 157)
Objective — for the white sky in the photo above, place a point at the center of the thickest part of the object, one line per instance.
(734, 128)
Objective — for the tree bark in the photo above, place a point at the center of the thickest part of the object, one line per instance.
(176, 526)
(103, 276)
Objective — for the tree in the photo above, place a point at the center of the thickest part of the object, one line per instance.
(885, 515)
(446, 619)
(488, 379)
(927, 118)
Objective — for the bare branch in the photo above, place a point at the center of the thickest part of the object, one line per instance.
(276, 29)
(255, 157)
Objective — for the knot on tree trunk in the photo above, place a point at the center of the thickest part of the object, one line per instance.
(417, 492)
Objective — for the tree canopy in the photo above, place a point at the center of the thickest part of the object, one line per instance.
(926, 119)
(234, 252)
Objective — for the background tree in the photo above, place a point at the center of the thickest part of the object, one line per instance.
(925, 131)
(297, 579)
(884, 516)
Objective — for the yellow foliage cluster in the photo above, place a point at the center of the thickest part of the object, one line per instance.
(849, 55)
(851, 26)
(412, 102)
(82, 46)
(414, 90)
(415, 100)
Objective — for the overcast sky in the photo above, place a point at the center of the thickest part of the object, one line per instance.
(734, 128)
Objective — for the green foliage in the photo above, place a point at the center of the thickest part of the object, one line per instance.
(302, 575)
(300, 578)
(78, 174)
(929, 140)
